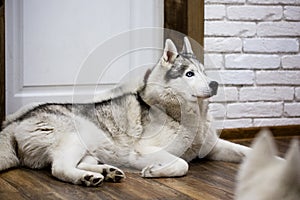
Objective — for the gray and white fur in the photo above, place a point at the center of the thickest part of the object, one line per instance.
(157, 128)
(263, 175)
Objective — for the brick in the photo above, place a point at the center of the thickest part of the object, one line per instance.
(291, 62)
(254, 12)
(266, 93)
(274, 1)
(297, 93)
(275, 122)
(232, 77)
(224, 2)
(232, 123)
(213, 61)
(217, 110)
(291, 12)
(278, 29)
(252, 61)
(292, 109)
(222, 44)
(278, 77)
(225, 94)
(267, 45)
(214, 12)
(257, 109)
(221, 28)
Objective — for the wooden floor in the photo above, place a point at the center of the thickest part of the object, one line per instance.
(205, 180)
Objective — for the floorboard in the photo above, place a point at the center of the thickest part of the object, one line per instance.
(205, 180)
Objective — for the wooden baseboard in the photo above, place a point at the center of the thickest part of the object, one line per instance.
(248, 133)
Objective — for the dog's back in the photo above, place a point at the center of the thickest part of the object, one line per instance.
(264, 176)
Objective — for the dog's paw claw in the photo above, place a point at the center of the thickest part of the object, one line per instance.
(113, 174)
(147, 171)
(92, 179)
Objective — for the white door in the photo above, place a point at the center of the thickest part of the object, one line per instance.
(54, 46)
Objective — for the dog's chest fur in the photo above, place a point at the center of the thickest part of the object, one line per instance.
(130, 122)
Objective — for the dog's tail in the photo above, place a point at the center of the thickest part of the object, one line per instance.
(8, 157)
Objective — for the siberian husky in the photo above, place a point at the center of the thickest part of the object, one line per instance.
(264, 176)
(156, 128)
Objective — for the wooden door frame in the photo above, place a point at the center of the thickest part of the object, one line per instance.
(2, 61)
(187, 17)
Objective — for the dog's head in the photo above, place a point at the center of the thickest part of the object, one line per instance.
(182, 73)
(263, 175)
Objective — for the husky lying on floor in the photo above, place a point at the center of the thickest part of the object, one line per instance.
(264, 176)
(156, 128)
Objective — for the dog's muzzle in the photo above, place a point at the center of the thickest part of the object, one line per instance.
(214, 87)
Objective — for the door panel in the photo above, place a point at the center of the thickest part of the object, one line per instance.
(49, 42)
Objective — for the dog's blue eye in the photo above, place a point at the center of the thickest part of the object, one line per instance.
(190, 74)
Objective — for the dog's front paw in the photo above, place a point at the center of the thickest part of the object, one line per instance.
(149, 171)
(92, 179)
(113, 174)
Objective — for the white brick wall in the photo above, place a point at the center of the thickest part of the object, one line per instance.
(282, 28)
(291, 62)
(274, 1)
(254, 13)
(252, 61)
(229, 28)
(257, 109)
(292, 13)
(214, 12)
(297, 94)
(213, 61)
(252, 48)
(266, 94)
(221, 44)
(278, 77)
(291, 109)
(232, 77)
(271, 45)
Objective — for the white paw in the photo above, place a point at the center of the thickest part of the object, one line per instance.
(92, 179)
(148, 171)
(178, 168)
(113, 174)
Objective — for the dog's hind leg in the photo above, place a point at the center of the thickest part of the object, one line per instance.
(228, 151)
(156, 162)
(65, 161)
(109, 172)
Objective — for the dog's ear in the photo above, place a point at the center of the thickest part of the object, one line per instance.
(263, 153)
(263, 150)
(187, 47)
(291, 172)
(170, 51)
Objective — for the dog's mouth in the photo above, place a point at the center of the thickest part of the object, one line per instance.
(205, 96)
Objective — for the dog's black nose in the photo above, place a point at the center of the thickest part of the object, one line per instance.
(214, 87)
